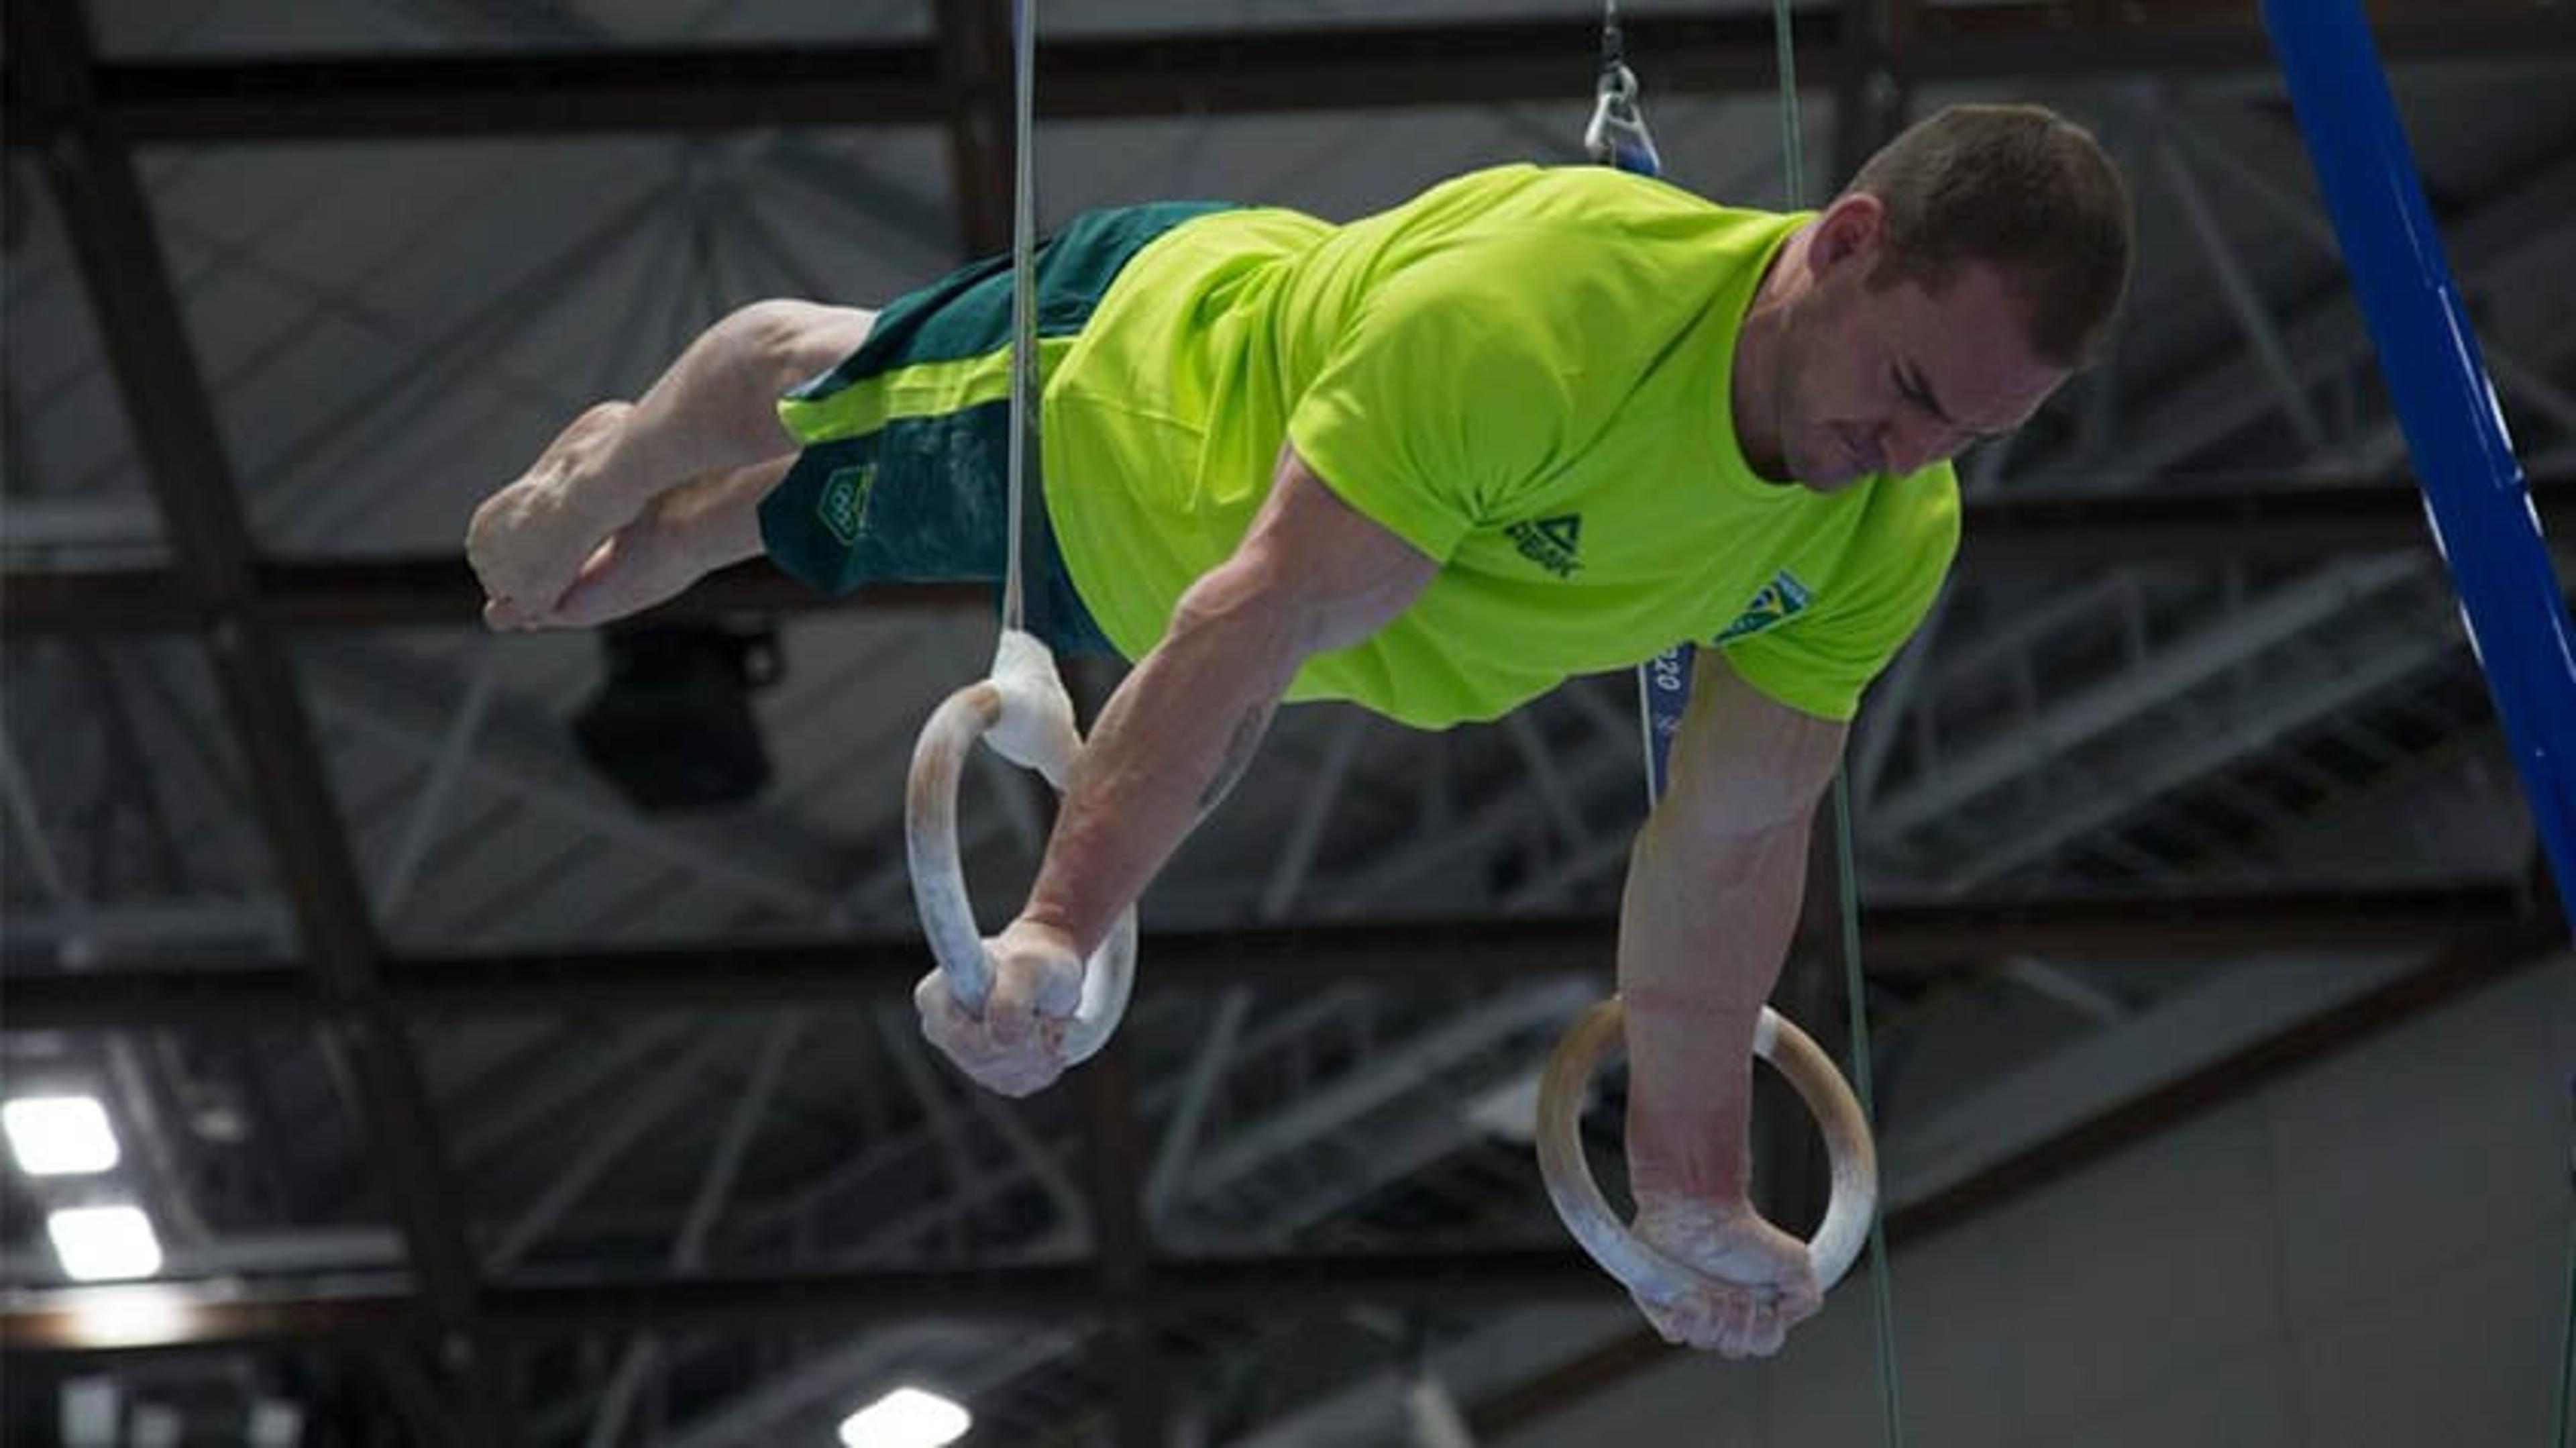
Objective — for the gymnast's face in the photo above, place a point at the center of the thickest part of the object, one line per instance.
(1891, 378)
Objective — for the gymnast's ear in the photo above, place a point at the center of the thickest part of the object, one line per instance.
(1849, 230)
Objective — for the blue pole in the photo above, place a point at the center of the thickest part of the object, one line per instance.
(2474, 492)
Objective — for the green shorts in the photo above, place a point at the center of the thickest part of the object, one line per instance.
(905, 473)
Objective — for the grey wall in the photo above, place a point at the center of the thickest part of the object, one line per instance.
(2369, 1254)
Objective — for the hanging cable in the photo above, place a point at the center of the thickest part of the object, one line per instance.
(1024, 329)
(1617, 136)
(1882, 1292)
(1021, 710)
(1882, 1287)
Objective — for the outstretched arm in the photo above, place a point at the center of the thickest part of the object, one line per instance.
(1312, 574)
(1714, 887)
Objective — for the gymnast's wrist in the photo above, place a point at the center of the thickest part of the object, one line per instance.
(1039, 927)
(1667, 1203)
(1694, 1148)
(1714, 1182)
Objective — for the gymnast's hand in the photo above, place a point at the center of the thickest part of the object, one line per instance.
(1017, 1046)
(1728, 1242)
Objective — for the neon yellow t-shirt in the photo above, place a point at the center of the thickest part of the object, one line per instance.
(1523, 373)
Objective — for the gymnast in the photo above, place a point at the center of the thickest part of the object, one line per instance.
(1535, 422)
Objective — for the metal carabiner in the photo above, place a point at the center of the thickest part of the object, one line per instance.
(1617, 135)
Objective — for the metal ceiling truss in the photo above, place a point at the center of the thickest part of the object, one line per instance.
(2024, 534)
(1180, 1289)
(88, 115)
(1141, 76)
(1905, 941)
(106, 215)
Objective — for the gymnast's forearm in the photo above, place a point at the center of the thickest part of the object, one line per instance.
(1172, 741)
(1704, 925)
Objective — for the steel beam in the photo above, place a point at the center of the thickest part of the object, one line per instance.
(2070, 41)
(1340, 68)
(2237, 285)
(1123, 1251)
(2180, 523)
(2151, 773)
(846, 1300)
(973, 41)
(420, 827)
(887, 84)
(1871, 104)
(1902, 940)
(763, 858)
(644, 1354)
(398, 593)
(1178, 1288)
(675, 1079)
(109, 225)
(2021, 533)
(2092, 712)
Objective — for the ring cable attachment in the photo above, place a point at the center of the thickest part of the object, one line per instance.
(1022, 709)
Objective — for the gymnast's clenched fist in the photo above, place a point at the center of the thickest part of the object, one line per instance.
(1755, 1281)
(1016, 1047)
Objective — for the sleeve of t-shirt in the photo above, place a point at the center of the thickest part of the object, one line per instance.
(1876, 594)
(1451, 393)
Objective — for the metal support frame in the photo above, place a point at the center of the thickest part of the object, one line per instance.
(2189, 757)
(938, 1114)
(1178, 1288)
(688, 1251)
(1148, 75)
(1124, 1257)
(765, 861)
(92, 170)
(972, 39)
(2024, 532)
(2244, 299)
(2514, 606)
(675, 1079)
(1323, 794)
(420, 828)
(2274, 619)
(90, 114)
(1905, 940)
(2513, 231)
(1173, 1156)
(2479, 958)
(2294, 209)
(1872, 102)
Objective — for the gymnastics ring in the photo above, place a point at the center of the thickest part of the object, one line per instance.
(1852, 1156)
(1023, 712)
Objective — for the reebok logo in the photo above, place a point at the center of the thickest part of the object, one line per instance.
(844, 493)
(1551, 543)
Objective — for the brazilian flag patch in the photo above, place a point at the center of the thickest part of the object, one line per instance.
(1780, 600)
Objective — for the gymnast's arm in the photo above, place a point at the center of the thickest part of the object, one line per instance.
(1312, 574)
(1713, 892)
